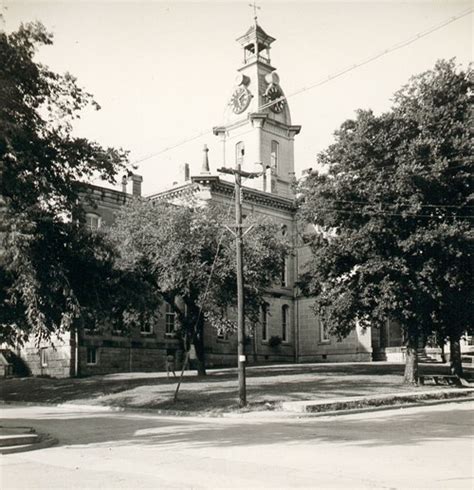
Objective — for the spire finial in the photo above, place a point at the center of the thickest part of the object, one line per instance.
(255, 8)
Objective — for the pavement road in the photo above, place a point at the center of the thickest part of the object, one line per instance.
(427, 447)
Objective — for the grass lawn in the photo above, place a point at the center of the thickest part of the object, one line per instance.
(267, 386)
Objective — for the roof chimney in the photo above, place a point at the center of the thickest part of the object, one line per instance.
(137, 185)
(187, 173)
(205, 161)
(124, 184)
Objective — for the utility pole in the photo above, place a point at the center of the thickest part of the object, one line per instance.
(238, 173)
(240, 288)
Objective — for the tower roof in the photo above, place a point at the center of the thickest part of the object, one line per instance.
(255, 35)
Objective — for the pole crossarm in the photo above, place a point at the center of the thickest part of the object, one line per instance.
(229, 227)
(242, 173)
(247, 230)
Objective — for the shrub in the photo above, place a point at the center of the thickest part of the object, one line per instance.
(274, 341)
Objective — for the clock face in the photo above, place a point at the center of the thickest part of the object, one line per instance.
(273, 93)
(240, 99)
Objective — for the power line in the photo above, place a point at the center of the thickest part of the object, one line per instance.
(403, 215)
(323, 81)
(172, 147)
(398, 164)
(373, 57)
(392, 204)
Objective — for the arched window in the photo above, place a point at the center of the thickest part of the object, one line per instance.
(264, 322)
(274, 156)
(285, 318)
(239, 152)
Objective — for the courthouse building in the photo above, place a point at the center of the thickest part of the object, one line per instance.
(259, 133)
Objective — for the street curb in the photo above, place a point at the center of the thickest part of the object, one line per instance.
(384, 407)
(436, 398)
(363, 402)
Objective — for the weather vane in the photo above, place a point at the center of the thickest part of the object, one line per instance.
(255, 8)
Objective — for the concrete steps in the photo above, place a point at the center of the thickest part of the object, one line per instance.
(425, 358)
(20, 439)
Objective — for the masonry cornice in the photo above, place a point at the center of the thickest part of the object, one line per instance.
(254, 196)
(218, 187)
(267, 122)
(105, 194)
(257, 61)
(188, 190)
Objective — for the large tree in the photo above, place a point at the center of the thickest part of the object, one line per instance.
(43, 166)
(191, 258)
(392, 214)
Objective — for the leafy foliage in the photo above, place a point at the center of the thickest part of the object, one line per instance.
(390, 220)
(45, 250)
(191, 258)
(42, 162)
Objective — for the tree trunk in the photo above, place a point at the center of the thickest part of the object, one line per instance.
(442, 354)
(411, 362)
(455, 356)
(198, 342)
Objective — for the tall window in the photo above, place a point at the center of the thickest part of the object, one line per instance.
(239, 152)
(93, 221)
(274, 156)
(44, 357)
(323, 332)
(146, 328)
(264, 322)
(284, 272)
(284, 322)
(92, 355)
(170, 317)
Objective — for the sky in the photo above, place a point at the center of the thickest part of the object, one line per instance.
(163, 71)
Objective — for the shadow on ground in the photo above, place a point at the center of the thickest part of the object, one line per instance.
(218, 391)
(115, 429)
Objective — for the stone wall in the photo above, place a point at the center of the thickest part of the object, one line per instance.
(50, 359)
(313, 346)
(122, 359)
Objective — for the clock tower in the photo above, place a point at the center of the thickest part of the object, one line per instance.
(257, 128)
